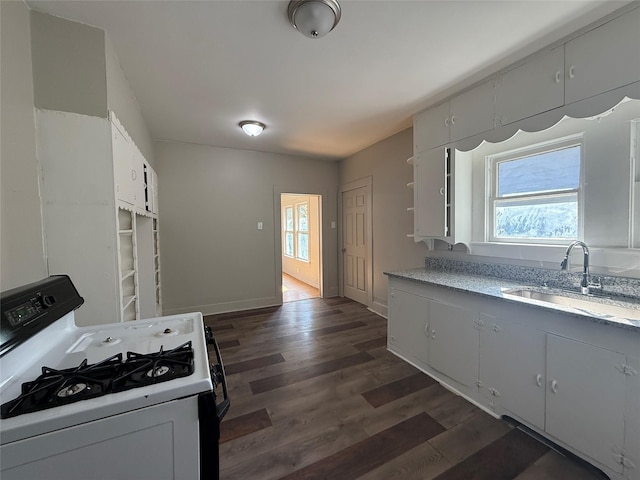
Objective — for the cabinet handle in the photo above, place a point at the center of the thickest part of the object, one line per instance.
(558, 76)
(453, 119)
(446, 121)
(433, 334)
(539, 380)
(426, 329)
(496, 328)
(134, 174)
(572, 71)
(554, 386)
(442, 191)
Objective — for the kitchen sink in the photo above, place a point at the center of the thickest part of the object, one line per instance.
(592, 305)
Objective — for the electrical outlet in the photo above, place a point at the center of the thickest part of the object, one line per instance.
(259, 225)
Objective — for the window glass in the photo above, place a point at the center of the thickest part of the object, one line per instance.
(303, 246)
(289, 219)
(303, 219)
(535, 197)
(544, 172)
(288, 244)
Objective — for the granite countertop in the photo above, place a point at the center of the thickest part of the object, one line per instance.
(498, 288)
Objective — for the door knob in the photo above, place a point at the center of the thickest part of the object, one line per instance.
(344, 250)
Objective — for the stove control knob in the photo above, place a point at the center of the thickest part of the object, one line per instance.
(48, 301)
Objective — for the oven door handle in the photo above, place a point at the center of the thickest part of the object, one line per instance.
(218, 376)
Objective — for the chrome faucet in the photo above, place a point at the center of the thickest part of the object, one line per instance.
(585, 284)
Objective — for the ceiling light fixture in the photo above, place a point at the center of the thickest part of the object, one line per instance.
(314, 18)
(252, 128)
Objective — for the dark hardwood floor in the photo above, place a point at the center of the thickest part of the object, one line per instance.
(315, 395)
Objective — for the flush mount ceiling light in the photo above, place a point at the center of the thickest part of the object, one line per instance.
(314, 18)
(252, 128)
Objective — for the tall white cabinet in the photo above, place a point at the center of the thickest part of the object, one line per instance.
(99, 198)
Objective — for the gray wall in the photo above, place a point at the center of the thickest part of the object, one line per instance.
(386, 163)
(213, 257)
(21, 248)
(69, 68)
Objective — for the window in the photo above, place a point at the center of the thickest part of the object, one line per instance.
(296, 231)
(302, 217)
(535, 193)
(288, 231)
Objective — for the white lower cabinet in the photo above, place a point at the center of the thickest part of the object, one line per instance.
(586, 399)
(572, 380)
(512, 369)
(409, 334)
(453, 348)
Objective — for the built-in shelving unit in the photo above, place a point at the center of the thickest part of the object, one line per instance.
(410, 185)
(127, 262)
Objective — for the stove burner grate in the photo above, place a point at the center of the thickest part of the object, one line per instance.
(60, 387)
(147, 369)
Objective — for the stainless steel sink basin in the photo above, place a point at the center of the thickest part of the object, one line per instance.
(596, 306)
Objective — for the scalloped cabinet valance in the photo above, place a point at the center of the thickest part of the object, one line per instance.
(582, 78)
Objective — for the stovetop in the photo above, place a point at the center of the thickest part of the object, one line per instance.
(128, 364)
(54, 388)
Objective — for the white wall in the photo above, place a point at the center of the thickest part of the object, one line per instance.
(386, 163)
(21, 245)
(122, 100)
(305, 271)
(211, 199)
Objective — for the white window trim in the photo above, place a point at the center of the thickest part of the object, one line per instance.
(530, 150)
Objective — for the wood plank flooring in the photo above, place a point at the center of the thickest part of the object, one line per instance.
(315, 395)
(294, 290)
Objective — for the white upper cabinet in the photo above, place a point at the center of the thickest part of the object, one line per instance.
(130, 171)
(602, 59)
(137, 179)
(534, 87)
(472, 112)
(431, 128)
(442, 196)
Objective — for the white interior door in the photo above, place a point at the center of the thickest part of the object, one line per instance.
(355, 244)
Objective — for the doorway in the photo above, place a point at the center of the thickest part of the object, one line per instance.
(301, 246)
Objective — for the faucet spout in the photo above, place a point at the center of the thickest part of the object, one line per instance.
(584, 284)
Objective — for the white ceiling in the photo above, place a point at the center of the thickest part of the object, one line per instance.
(200, 67)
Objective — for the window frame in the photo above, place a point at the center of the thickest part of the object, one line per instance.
(296, 232)
(491, 190)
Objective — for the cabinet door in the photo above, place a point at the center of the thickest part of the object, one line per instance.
(586, 398)
(532, 88)
(512, 368)
(604, 58)
(453, 346)
(429, 201)
(408, 326)
(137, 179)
(472, 112)
(431, 128)
(122, 157)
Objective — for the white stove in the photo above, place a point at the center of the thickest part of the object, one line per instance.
(130, 400)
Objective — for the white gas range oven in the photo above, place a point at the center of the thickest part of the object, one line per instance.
(134, 400)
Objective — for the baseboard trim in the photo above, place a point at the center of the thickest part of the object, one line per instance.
(215, 308)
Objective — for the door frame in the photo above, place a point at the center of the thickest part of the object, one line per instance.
(277, 232)
(362, 182)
